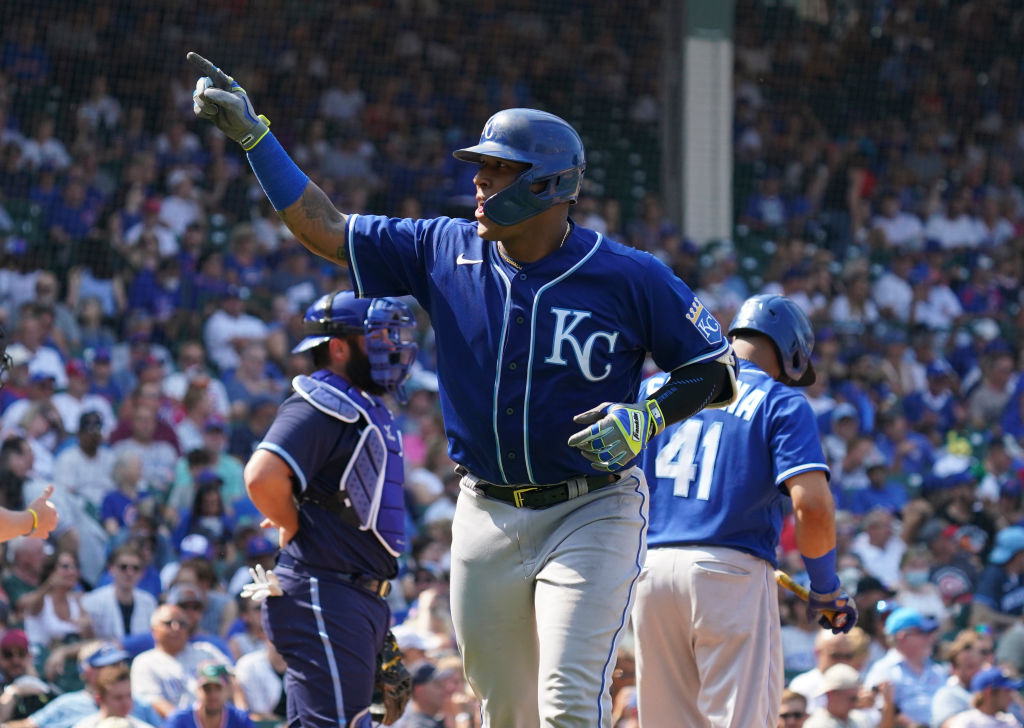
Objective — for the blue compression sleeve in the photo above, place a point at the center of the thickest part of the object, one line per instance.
(822, 571)
(279, 176)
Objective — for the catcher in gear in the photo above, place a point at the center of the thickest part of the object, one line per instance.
(328, 474)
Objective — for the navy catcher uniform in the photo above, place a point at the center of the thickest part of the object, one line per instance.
(334, 448)
(708, 646)
(535, 319)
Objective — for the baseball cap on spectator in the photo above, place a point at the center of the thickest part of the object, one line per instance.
(19, 353)
(839, 677)
(985, 329)
(904, 618)
(145, 362)
(938, 368)
(994, 678)
(213, 672)
(843, 411)
(195, 544)
(76, 368)
(423, 673)
(109, 653)
(259, 546)
(208, 477)
(409, 638)
(101, 354)
(90, 421)
(176, 177)
(1008, 542)
(215, 423)
(932, 529)
(14, 639)
(185, 593)
(920, 273)
(38, 372)
(871, 583)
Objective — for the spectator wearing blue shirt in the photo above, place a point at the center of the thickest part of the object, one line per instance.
(883, 490)
(908, 666)
(934, 408)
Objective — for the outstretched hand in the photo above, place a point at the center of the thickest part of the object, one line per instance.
(220, 99)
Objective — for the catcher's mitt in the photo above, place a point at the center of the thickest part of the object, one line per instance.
(393, 686)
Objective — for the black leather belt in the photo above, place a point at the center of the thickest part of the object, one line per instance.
(544, 496)
(380, 587)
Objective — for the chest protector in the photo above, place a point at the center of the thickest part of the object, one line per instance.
(371, 486)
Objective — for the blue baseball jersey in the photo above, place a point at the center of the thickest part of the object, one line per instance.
(317, 448)
(717, 478)
(520, 351)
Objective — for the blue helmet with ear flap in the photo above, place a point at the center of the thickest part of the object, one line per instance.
(334, 315)
(387, 323)
(544, 141)
(782, 321)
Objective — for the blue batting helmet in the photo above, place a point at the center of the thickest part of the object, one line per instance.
(548, 144)
(787, 326)
(387, 323)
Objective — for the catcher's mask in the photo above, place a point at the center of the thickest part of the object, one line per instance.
(387, 323)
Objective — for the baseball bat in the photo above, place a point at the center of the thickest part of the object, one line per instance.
(786, 581)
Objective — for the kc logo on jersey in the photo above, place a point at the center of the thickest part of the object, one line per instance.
(563, 334)
(706, 324)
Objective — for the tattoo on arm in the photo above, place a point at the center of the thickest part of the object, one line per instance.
(317, 224)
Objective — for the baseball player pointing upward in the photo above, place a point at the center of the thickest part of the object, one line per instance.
(709, 650)
(536, 320)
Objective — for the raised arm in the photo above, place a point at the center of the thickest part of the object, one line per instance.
(301, 204)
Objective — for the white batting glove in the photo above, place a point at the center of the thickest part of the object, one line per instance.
(264, 584)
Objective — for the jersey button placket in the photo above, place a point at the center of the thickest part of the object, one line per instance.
(512, 366)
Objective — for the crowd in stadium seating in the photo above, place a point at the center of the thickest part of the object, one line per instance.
(153, 295)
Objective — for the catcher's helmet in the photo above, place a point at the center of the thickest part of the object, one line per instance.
(787, 326)
(548, 144)
(387, 323)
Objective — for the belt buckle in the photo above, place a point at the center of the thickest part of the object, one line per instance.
(517, 494)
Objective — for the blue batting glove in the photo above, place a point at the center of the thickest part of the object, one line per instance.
(617, 432)
(834, 611)
(219, 98)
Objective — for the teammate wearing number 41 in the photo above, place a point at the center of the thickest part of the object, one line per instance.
(536, 320)
(708, 646)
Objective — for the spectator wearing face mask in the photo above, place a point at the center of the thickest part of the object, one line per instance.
(916, 591)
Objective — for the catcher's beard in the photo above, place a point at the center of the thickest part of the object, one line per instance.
(357, 369)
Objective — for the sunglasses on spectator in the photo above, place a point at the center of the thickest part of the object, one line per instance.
(841, 655)
(129, 567)
(174, 623)
(791, 716)
(197, 606)
(9, 654)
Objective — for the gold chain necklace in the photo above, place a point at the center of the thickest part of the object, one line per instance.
(516, 264)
